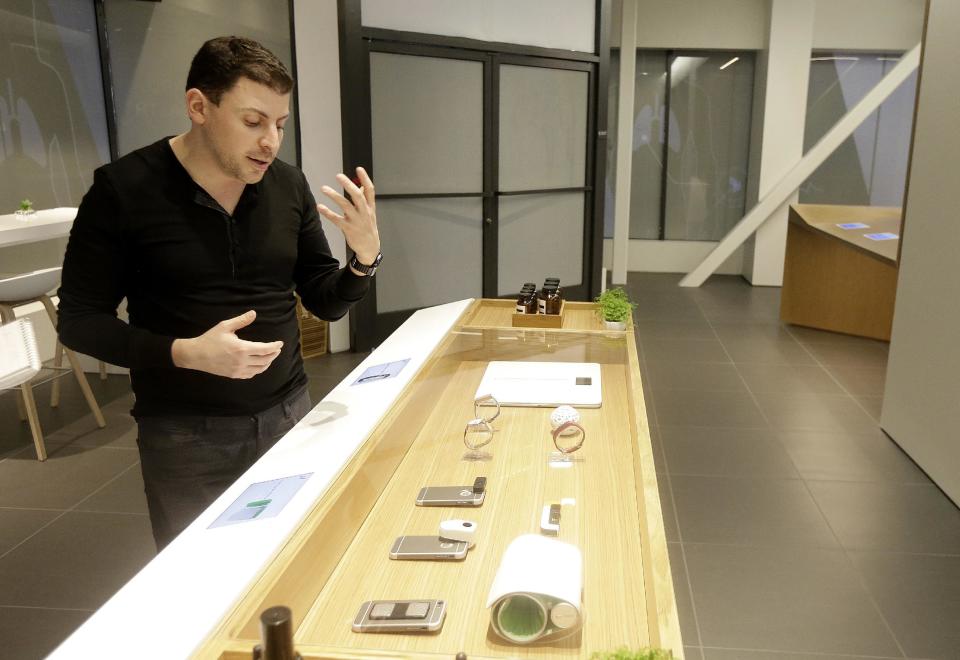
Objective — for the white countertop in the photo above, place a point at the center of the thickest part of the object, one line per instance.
(171, 606)
(40, 226)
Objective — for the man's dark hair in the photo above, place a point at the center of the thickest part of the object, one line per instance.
(222, 61)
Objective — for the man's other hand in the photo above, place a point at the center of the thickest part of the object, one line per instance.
(359, 220)
(220, 352)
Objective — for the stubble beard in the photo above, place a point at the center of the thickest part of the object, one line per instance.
(229, 164)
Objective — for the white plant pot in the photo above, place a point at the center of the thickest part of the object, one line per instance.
(615, 325)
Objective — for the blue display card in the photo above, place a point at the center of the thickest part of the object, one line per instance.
(885, 236)
(853, 225)
(380, 372)
(264, 499)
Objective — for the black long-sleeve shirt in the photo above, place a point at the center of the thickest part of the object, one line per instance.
(146, 231)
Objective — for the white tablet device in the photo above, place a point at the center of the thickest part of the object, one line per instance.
(543, 384)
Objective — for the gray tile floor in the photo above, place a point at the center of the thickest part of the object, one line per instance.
(74, 529)
(797, 530)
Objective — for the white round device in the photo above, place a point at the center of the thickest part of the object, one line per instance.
(564, 615)
(458, 530)
(563, 414)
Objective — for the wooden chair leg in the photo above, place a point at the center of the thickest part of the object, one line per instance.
(21, 410)
(77, 369)
(85, 387)
(55, 388)
(35, 429)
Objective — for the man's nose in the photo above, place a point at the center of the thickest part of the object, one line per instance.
(270, 141)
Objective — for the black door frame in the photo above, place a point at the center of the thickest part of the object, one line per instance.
(355, 45)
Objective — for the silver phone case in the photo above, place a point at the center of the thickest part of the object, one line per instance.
(428, 548)
(449, 496)
(432, 622)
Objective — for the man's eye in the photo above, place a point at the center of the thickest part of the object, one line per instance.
(279, 128)
(252, 124)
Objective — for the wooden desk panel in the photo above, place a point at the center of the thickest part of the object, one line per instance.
(836, 279)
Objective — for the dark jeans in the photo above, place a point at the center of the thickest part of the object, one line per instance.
(188, 461)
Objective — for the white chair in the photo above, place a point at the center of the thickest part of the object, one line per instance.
(28, 288)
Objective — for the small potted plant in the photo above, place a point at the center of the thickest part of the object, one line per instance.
(614, 308)
(25, 210)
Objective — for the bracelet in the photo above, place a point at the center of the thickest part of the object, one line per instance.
(477, 428)
(484, 399)
(569, 449)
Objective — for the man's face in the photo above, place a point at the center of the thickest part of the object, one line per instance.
(244, 132)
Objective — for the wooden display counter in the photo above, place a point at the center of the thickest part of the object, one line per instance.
(838, 279)
(361, 456)
(338, 556)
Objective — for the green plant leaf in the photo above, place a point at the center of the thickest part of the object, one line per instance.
(614, 305)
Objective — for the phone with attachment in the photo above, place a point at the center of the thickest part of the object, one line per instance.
(450, 496)
(385, 616)
(427, 547)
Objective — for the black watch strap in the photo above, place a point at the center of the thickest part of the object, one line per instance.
(367, 270)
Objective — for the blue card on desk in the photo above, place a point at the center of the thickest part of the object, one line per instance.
(853, 225)
(264, 499)
(381, 372)
(884, 236)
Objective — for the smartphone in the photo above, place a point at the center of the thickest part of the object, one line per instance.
(450, 496)
(400, 616)
(427, 547)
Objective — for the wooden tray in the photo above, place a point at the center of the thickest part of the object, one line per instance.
(539, 320)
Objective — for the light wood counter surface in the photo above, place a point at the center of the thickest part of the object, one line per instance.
(339, 557)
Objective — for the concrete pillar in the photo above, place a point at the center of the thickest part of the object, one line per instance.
(786, 67)
(628, 67)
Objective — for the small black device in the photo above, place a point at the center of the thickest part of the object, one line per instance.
(367, 269)
(479, 485)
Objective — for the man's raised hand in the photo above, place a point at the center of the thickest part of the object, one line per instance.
(358, 221)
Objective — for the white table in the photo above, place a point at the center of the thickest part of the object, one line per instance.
(169, 607)
(41, 226)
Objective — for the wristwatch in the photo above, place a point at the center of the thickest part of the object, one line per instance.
(363, 268)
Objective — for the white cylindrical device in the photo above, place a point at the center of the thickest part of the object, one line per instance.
(458, 530)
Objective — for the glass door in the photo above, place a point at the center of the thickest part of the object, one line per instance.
(481, 165)
(427, 137)
(543, 200)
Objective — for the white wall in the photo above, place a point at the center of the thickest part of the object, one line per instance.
(318, 93)
(921, 406)
(874, 25)
(877, 25)
(564, 24)
(669, 257)
(718, 24)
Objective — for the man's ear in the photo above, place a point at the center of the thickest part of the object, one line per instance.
(197, 106)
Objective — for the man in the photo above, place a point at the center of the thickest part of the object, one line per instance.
(207, 235)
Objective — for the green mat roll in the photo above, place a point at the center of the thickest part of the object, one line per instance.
(521, 618)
